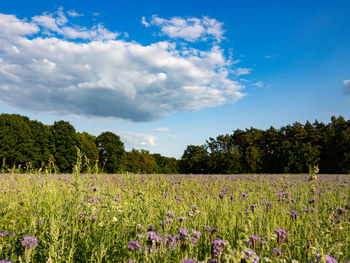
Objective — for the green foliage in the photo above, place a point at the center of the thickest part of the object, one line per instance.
(66, 141)
(194, 160)
(291, 149)
(111, 152)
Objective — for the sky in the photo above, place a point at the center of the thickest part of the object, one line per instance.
(166, 74)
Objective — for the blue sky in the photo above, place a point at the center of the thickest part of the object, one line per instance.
(166, 74)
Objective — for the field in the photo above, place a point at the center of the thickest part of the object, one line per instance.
(174, 218)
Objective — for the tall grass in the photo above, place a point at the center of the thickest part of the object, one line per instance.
(152, 218)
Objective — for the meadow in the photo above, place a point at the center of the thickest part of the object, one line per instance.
(174, 218)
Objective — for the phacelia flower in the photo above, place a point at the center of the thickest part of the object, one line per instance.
(29, 242)
(218, 247)
(134, 245)
(251, 256)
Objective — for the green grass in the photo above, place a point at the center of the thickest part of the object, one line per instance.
(92, 218)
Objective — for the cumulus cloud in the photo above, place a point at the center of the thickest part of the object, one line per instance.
(138, 140)
(346, 86)
(190, 29)
(48, 65)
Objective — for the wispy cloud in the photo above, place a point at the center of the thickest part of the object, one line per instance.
(161, 129)
(190, 29)
(242, 71)
(258, 84)
(48, 64)
(73, 13)
(346, 86)
(271, 56)
(144, 22)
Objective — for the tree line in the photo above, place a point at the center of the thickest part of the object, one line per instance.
(293, 148)
(29, 144)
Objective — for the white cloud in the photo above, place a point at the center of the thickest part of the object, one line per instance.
(242, 71)
(137, 140)
(105, 77)
(258, 84)
(73, 13)
(161, 129)
(144, 22)
(271, 56)
(346, 86)
(190, 29)
(56, 23)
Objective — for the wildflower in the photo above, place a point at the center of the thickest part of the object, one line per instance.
(151, 228)
(341, 210)
(276, 251)
(6, 261)
(183, 233)
(211, 230)
(195, 236)
(188, 260)
(266, 259)
(3, 233)
(244, 196)
(253, 239)
(115, 219)
(295, 261)
(29, 242)
(251, 256)
(134, 245)
(218, 247)
(181, 219)
(101, 224)
(329, 259)
(171, 214)
(294, 214)
(282, 235)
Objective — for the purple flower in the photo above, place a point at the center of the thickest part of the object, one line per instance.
(6, 261)
(181, 219)
(188, 260)
(154, 238)
(211, 230)
(218, 247)
(253, 239)
(183, 233)
(276, 251)
(134, 245)
(171, 214)
(281, 233)
(329, 259)
(251, 256)
(29, 242)
(196, 234)
(341, 210)
(3, 233)
(151, 228)
(294, 214)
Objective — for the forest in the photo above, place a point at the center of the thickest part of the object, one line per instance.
(28, 144)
